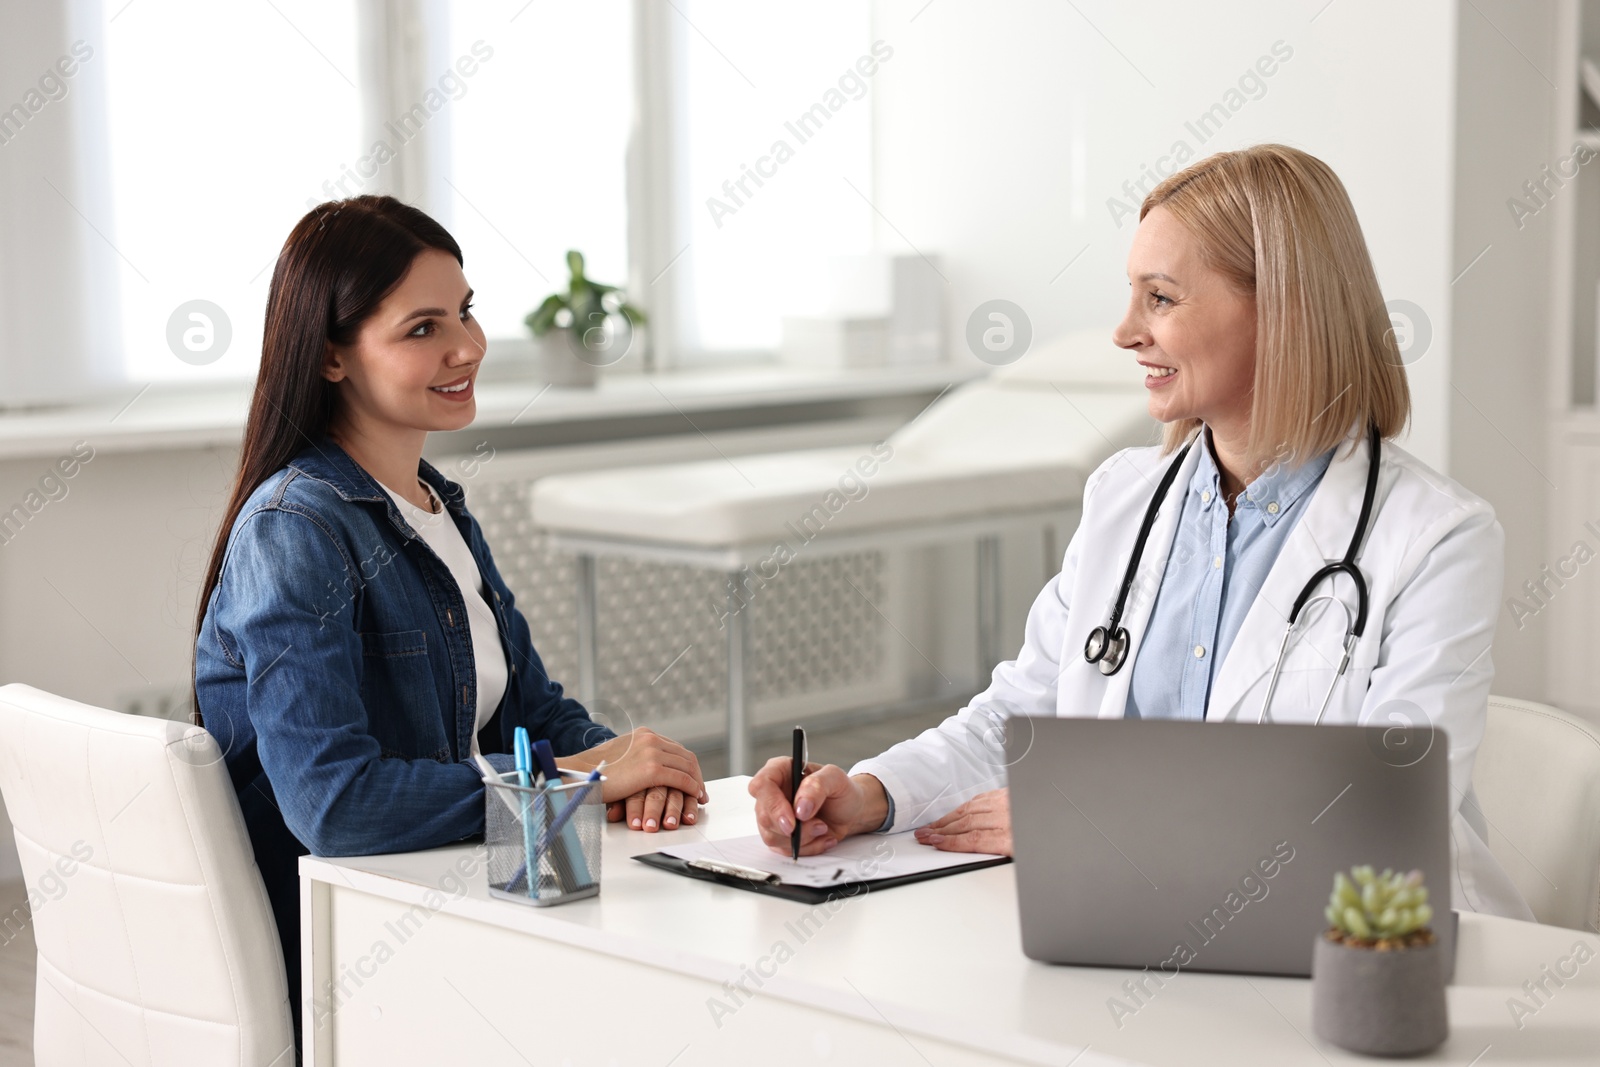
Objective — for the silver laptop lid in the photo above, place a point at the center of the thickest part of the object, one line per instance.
(1213, 846)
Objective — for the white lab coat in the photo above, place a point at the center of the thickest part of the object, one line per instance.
(1433, 563)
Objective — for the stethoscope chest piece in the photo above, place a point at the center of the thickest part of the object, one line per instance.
(1107, 650)
(1107, 646)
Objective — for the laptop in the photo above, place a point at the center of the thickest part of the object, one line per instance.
(1213, 846)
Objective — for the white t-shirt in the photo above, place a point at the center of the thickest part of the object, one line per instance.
(488, 652)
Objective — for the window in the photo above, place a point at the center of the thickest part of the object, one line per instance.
(710, 159)
(508, 122)
(214, 150)
(775, 159)
(533, 162)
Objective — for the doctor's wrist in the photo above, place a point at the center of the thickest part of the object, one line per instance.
(874, 804)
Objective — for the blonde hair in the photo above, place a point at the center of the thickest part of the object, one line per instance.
(1278, 224)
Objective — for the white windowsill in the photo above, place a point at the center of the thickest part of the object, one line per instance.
(169, 418)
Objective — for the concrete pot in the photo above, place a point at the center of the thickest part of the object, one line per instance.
(1379, 1003)
(563, 362)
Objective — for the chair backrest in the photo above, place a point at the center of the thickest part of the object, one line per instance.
(154, 932)
(1537, 778)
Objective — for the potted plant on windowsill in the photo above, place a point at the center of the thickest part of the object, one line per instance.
(583, 329)
(1378, 973)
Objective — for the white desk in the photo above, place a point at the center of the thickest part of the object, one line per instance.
(922, 974)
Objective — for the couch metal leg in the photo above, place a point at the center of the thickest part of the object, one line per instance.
(738, 622)
(988, 606)
(588, 670)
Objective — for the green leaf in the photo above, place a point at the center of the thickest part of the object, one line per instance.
(590, 303)
(588, 310)
(591, 317)
(543, 318)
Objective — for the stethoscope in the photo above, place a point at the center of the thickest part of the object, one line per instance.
(1108, 645)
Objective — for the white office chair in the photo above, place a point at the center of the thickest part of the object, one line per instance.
(1537, 777)
(156, 942)
(1014, 447)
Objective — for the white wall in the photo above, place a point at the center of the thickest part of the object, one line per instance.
(99, 587)
(1003, 129)
(1505, 131)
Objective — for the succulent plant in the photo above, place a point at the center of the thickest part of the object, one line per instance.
(1379, 909)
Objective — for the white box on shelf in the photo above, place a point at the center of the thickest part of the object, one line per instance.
(916, 326)
(867, 311)
(844, 343)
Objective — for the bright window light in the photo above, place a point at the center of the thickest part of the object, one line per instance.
(776, 162)
(224, 120)
(535, 160)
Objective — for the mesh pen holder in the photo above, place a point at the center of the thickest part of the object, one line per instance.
(544, 843)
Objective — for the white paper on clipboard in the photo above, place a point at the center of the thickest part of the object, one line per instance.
(855, 859)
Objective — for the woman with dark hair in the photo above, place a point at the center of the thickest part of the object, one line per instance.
(356, 645)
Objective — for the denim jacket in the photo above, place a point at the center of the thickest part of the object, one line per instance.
(334, 668)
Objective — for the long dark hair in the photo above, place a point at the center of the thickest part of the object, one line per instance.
(340, 261)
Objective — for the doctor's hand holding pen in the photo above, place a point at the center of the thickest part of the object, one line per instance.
(652, 782)
(832, 805)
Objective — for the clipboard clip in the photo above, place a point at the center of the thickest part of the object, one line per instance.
(734, 870)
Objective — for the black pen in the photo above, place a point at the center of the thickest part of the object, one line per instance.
(797, 770)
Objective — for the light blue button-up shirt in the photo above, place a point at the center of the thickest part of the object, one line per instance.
(1213, 574)
(1195, 619)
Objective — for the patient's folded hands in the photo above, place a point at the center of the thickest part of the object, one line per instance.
(656, 808)
(651, 781)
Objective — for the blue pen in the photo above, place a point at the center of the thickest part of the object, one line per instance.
(569, 856)
(545, 755)
(524, 757)
(574, 802)
(559, 825)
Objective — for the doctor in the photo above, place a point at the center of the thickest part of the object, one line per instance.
(1269, 355)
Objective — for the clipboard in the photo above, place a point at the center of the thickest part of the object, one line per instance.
(754, 881)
